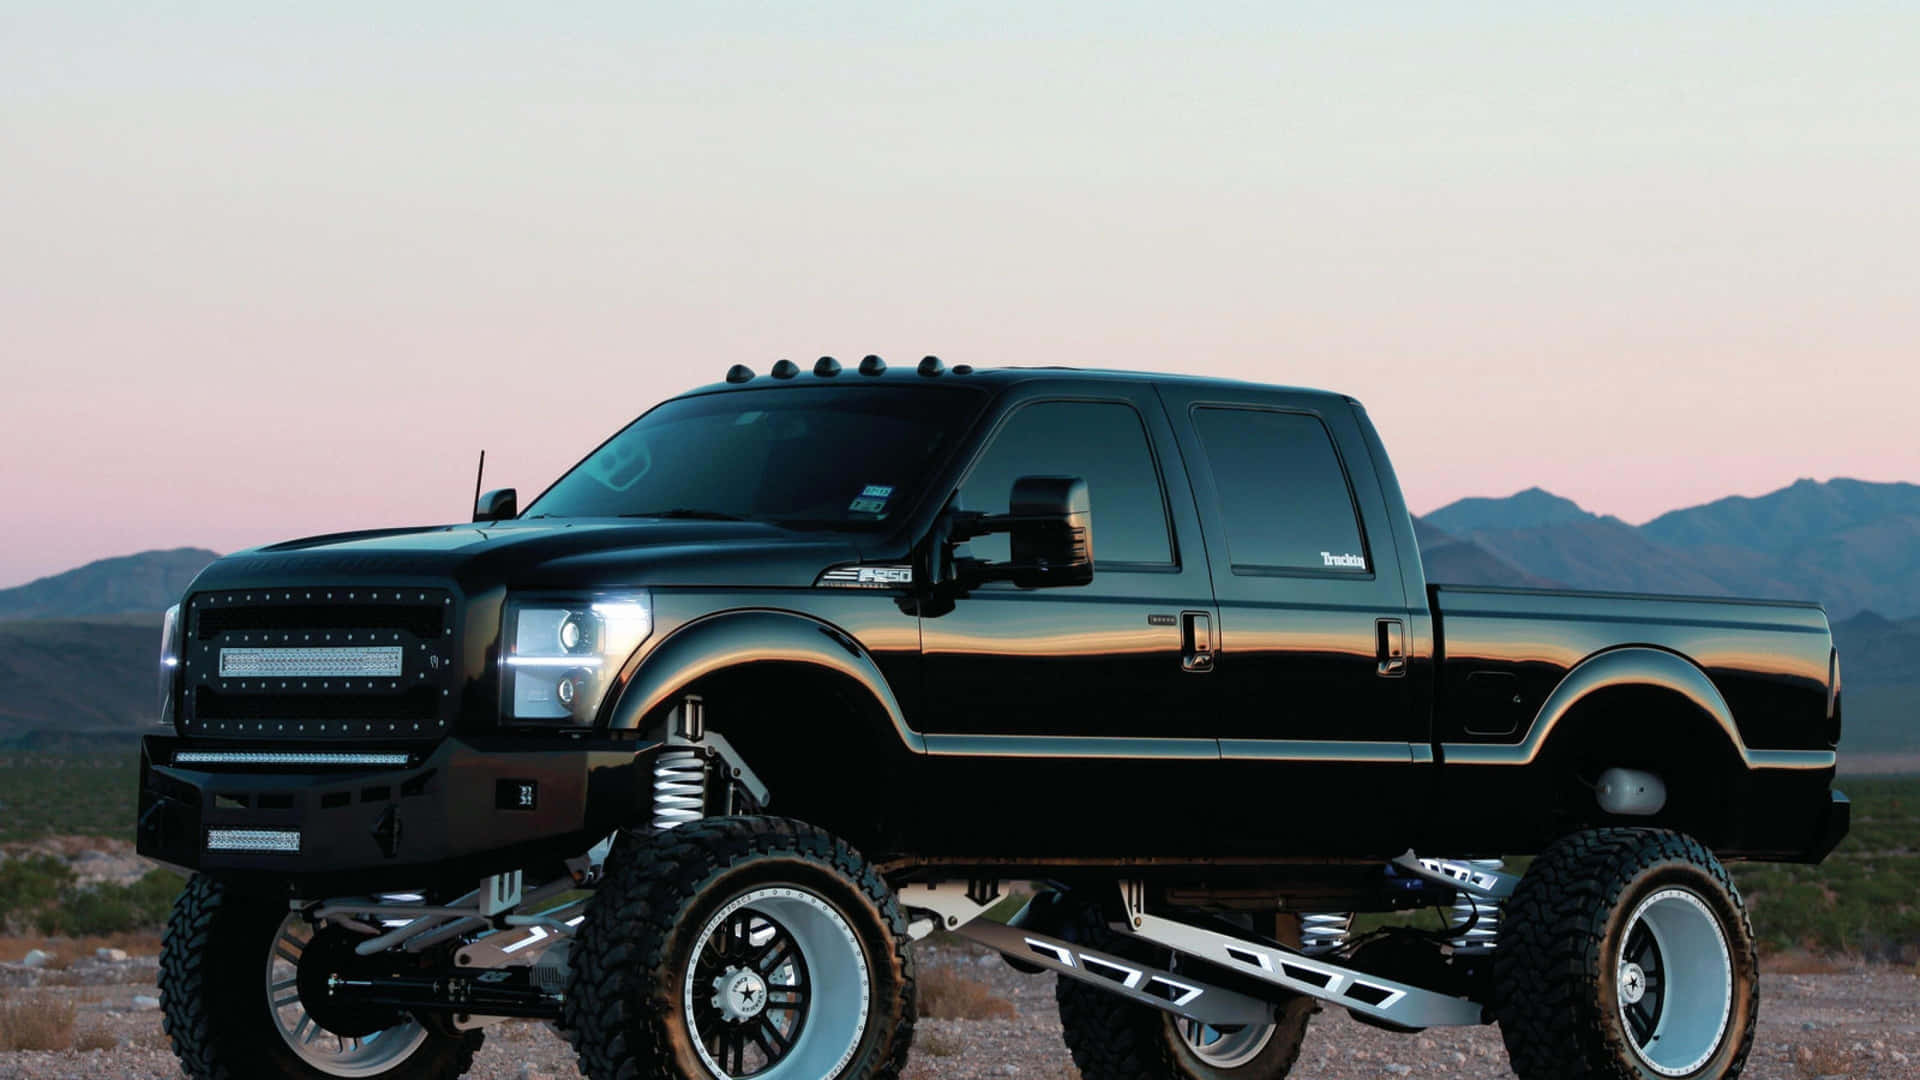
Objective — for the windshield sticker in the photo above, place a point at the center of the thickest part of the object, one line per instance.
(872, 500)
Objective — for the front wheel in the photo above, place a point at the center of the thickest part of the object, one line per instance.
(1626, 954)
(729, 948)
(240, 980)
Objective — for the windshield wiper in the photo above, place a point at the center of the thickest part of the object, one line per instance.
(688, 514)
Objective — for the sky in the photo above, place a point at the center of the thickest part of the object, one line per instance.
(271, 270)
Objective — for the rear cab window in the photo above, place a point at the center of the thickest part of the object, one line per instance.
(1283, 494)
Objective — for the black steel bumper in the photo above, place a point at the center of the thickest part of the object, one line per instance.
(461, 809)
(1833, 826)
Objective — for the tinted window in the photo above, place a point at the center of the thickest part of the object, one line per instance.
(1101, 441)
(848, 457)
(1282, 491)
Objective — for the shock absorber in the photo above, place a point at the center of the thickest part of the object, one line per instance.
(1476, 920)
(680, 772)
(1323, 932)
(679, 787)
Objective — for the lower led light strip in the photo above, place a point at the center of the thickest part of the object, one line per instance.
(280, 840)
(278, 757)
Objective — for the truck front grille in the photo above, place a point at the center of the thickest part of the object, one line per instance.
(346, 662)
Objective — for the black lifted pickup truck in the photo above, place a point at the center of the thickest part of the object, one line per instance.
(1157, 650)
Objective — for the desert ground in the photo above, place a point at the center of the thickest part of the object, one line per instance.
(989, 1021)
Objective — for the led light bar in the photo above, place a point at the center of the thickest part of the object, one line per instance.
(280, 840)
(278, 757)
(380, 661)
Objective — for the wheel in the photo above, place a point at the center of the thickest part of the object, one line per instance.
(236, 971)
(741, 947)
(1626, 954)
(1112, 1038)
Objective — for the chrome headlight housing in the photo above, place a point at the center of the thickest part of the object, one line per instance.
(560, 654)
(169, 664)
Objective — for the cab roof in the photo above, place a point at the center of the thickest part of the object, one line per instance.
(930, 371)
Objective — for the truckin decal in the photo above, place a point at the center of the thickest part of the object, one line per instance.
(1345, 562)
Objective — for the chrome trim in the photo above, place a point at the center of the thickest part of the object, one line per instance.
(1069, 746)
(1399, 753)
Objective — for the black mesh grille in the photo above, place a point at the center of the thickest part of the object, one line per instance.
(383, 663)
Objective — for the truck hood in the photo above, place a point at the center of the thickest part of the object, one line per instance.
(570, 553)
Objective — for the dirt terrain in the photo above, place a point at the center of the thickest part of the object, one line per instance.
(1861, 1023)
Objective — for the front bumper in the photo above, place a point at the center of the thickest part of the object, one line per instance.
(464, 808)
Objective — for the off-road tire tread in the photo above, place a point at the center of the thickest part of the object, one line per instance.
(1550, 942)
(216, 1043)
(622, 943)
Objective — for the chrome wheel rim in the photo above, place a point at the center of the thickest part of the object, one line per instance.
(325, 1051)
(1674, 982)
(1223, 1049)
(777, 988)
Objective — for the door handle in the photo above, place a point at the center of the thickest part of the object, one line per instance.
(1196, 642)
(1391, 639)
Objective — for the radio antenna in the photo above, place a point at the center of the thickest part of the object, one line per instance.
(479, 475)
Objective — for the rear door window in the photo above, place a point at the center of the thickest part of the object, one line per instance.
(1283, 492)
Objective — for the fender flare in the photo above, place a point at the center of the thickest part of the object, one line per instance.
(759, 635)
(1633, 666)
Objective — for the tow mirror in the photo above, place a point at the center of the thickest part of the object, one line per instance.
(1051, 539)
(499, 505)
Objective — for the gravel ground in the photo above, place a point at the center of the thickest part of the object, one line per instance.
(1859, 1024)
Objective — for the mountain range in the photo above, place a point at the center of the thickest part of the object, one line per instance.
(1851, 545)
(77, 649)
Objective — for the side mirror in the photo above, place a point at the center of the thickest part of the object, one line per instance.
(1050, 532)
(498, 505)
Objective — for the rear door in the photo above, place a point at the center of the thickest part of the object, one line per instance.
(1311, 702)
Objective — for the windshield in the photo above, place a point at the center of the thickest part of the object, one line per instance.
(839, 457)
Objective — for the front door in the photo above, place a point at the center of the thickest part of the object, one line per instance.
(1088, 695)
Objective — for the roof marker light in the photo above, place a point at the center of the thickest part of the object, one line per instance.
(785, 369)
(826, 367)
(963, 369)
(739, 373)
(872, 365)
(931, 365)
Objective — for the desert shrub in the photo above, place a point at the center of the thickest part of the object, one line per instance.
(36, 1024)
(945, 994)
(31, 883)
(111, 909)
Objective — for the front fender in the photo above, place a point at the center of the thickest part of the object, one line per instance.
(735, 638)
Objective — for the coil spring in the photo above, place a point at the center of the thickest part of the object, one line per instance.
(1481, 914)
(679, 788)
(1323, 932)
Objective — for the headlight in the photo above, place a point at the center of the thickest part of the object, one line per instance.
(169, 663)
(561, 654)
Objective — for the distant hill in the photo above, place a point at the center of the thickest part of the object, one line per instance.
(1528, 509)
(78, 677)
(149, 581)
(1848, 544)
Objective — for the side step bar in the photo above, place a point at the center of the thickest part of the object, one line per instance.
(957, 906)
(1168, 991)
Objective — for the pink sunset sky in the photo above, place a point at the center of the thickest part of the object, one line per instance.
(274, 272)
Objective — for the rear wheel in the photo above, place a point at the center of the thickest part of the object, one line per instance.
(1626, 954)
(242, 987)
